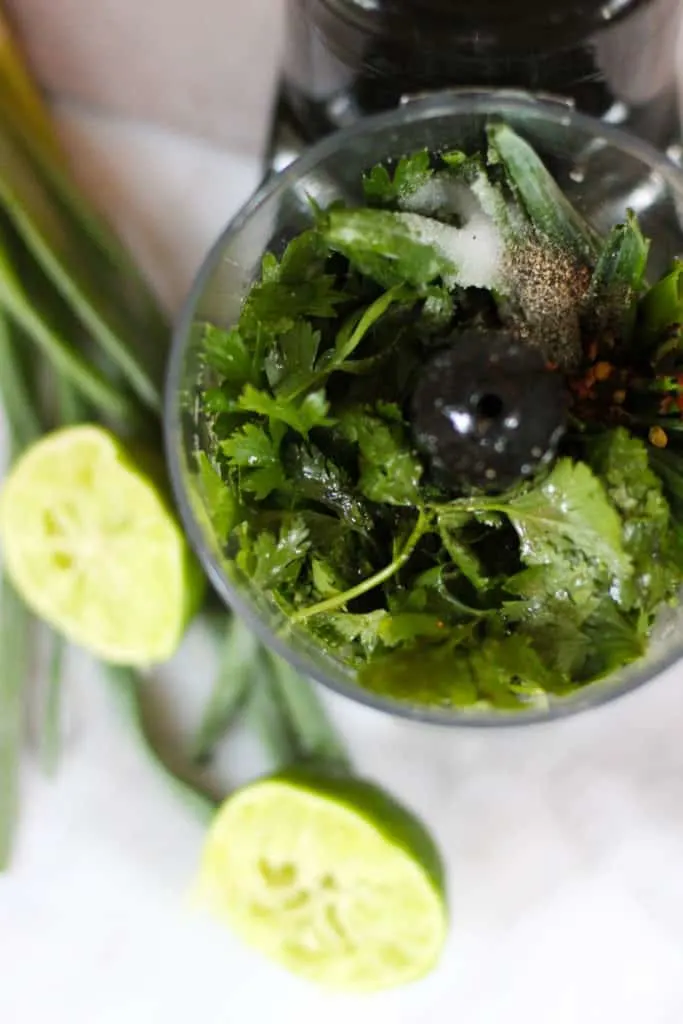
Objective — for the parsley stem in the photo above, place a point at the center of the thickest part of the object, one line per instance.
(339, 600)
(350, 337)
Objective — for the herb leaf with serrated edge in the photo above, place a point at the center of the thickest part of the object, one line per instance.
(410, 174)
(253, 450)
(510, 588)
(390, 472)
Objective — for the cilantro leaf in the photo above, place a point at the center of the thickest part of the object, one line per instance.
(558, 635)
(363, 629)
(412, 172)
(301, 416)
(389, 469)
(253, 450)
(275, 305)
(225, 351)
(220, 504)
(613, 641)
(425, 674)
(378, 185)
(290, 361)
(303, 258)
(387, 246)
(291, 364)
(465, 670)
(271, 561)
(318, 479)
(623, 463)
(568, 516)
(219, 401)
(509, 673)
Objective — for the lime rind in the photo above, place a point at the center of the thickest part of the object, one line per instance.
(91, 544)
(331, 878)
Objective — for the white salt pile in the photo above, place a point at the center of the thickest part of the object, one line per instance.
(475, 250)
(441, 195)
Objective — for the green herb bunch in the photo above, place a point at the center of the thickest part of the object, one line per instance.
(435, 595)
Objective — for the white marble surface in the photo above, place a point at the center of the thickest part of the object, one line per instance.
(564, 843)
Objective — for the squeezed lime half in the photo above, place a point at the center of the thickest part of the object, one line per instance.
(330, 878)
(93, 547)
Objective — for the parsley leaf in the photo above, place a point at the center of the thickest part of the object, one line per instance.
(556, 632)
(291, 290)
(412, 172)
(302, 260)
(568, 518)
(317, 478)
(290, 361)
(219, 502)
(253, 450)
(291, 365)
(613, 641)
(424, 674)
(226, 352)
(271, 561)
(363, 629)
(389, 470)
(301, 416)
(465, 670)
(276, 307)
(508, 673)
(622, 462)
(387, 246)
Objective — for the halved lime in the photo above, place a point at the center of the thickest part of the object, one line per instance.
(93, 547)
(329, 877)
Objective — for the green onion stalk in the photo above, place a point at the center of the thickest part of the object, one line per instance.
(83, 339)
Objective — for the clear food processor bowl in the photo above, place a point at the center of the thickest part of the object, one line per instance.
(603, 170)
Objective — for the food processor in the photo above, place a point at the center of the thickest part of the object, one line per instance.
(599, 167)
(592, 87)
(345, 59)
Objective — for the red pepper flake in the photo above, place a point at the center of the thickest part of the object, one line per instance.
(602, 371)
(593, 351)
(658, 437)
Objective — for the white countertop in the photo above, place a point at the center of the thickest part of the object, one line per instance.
(564, 843)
